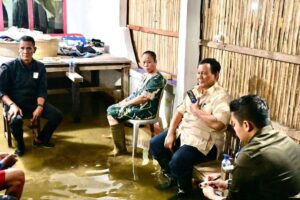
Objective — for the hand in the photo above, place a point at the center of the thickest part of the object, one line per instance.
(194, 107)
(13, 111)
(170, 141)
(123, 103)
(3, 155)
(37, 113)
(9, 161)
(209, 178)
(208, 191)
(219, 185)
(211, 193)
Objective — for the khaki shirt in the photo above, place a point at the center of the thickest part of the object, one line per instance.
(195, 132)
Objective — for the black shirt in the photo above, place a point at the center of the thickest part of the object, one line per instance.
(23, 84)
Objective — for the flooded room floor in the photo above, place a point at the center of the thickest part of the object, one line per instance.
(78, 167)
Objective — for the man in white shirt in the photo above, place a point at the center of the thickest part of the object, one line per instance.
(196, 130)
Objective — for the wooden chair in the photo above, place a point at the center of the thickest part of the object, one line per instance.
(137, 123)
(7, 131)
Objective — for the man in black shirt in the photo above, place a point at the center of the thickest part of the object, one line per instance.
(23, 89)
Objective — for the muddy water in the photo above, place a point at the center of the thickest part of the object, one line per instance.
(78, 168)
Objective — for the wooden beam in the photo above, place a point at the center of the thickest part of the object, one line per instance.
(152, 30)
(294, 59)
(74, 77)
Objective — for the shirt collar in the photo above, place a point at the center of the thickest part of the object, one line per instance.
(32, 63)
(209, 91)
(265, 129)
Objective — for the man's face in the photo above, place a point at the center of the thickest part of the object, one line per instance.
(238, 128)
(26, 51)
(205, 77)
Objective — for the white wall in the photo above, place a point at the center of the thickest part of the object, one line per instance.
(100, 19)
(189, 32)
(97, 19)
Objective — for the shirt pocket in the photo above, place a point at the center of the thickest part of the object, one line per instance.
(207, 107)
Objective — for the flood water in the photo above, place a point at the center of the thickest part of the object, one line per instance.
(78, 167)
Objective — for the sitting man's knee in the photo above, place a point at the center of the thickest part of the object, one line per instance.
(16, 121)
(20, 176)
(56, 117)
(176, 162)
(17, 175)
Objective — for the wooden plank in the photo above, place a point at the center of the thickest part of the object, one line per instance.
(153, 30)
(74, 77)
(57, 69)
(253, 52)
(82, 90)
(103, 67)
(98, 89)
(58, 91)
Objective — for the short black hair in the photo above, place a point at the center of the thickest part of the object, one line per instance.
(151, 53)
(28, 38)
(252, 108)
(215, 66)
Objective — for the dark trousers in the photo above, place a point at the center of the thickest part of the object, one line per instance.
(181, 161)
(50, 113)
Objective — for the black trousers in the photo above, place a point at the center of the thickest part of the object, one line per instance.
(181, 161)
(53, 116)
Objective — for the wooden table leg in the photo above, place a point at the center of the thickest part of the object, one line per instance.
(125, 82)
(95, 78)
(76, 102)
(76, 80)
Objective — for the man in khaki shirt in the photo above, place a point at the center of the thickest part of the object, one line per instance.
(196, 131)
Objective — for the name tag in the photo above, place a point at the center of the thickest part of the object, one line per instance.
(35, 75)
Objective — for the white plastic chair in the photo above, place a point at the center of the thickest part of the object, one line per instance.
(136, 125)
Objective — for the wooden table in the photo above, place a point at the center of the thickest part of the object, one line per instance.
(93, 65)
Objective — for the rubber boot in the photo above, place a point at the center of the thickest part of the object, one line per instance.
(118, 135)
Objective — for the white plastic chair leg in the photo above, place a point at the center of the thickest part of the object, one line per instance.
(145, 156)
(135, 138)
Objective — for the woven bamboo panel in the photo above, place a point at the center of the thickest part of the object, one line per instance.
(273, 26)
(157, 14)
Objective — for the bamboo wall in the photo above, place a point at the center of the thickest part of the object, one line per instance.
(274, 26)
(161, 15)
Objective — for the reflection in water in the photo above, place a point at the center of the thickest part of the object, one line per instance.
(78, 168)
(85, 185)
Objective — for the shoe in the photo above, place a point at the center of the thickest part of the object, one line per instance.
(41, 144)
(19, 152)
(170, 182)
(181, 195)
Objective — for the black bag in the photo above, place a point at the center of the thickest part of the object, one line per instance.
(83, 49)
